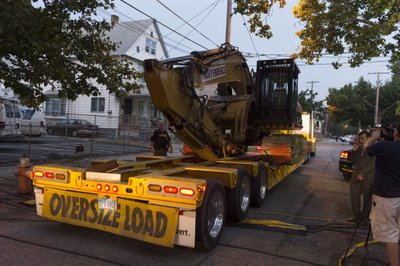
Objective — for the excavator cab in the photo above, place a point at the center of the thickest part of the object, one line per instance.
(276, 94)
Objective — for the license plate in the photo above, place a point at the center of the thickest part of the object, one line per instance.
(107, 203)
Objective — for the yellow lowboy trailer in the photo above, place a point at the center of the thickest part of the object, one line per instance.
(164, 201)
(186, 200)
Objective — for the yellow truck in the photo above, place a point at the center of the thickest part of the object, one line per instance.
(219, 109)
(308, 131)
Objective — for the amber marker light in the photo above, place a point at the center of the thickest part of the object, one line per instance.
(155, 188)
(107, 187)
(99, 186)
(115, 189)
(171, 190)
(60, 176)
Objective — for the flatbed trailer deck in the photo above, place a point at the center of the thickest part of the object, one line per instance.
(165, 201)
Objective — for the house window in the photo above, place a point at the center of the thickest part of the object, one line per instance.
(150, 46)
(155, 113)
(55, 106)
(151, 34)
(97, 105)
(141, 109)
(137, 49)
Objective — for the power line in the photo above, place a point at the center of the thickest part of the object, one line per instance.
(251, 38)
(170, 10)
(201, 21)
(105, 14)
(140, 11)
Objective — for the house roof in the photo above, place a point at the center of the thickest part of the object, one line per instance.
(125, 34)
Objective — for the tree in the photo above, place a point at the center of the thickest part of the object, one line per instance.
(59, 44)
(364, 29)
(356, 104)
(307, 101)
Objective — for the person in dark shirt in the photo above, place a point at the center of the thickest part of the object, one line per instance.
(385, 211)
(160, 141)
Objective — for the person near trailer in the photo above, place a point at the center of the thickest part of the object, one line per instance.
(160, 141)
(361, 180)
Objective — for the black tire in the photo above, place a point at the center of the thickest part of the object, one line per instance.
(210, 217)
(259, 186)
(346, 176)
(238, 198)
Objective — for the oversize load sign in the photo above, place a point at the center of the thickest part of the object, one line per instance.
(154, 224)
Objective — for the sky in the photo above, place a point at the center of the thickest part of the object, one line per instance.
(209, 19)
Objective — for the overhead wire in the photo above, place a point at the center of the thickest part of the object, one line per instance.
(173, 12)
(251, 38)
(201, 21)
(197, 15)
(163, 24)
(106, 14)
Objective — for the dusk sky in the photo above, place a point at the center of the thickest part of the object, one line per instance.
(209, 18)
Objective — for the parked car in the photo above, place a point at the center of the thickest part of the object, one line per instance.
(345, 164)
(32, 122)
(73, 127)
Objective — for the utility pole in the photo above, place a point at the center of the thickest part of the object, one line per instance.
(228, 21)
(312, 106)
(378, 82)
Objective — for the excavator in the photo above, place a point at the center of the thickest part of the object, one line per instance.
(217, 106)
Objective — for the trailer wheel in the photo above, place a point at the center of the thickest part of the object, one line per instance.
(238, 199)
(210, 217)
(259, 185)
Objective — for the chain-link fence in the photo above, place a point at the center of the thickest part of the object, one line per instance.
(97, 134)
(128, 128)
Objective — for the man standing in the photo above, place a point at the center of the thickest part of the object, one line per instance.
(385, 211)
(361, 180)
(160, 141)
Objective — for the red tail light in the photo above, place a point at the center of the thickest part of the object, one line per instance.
(169, 189)
(259, 148)
(2, 125)
(49, 175)
(344, 155)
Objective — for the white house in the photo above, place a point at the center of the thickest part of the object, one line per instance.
(130, 115)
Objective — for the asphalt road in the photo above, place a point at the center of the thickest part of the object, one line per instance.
(315, 196)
